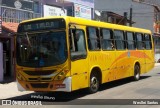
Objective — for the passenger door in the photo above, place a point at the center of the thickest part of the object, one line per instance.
(79, 62)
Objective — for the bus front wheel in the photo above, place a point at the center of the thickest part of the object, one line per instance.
(94, 83)
(136, 76)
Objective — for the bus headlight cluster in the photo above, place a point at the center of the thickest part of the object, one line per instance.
(60, 76)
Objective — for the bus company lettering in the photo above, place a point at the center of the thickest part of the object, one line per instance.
(42, 97)
(145, 102)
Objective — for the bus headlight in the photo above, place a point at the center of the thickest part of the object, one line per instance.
(20, 77)
(60, 76)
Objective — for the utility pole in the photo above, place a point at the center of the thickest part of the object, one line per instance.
(125, 18)
(130, 24)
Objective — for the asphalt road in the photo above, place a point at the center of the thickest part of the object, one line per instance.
(121, 92)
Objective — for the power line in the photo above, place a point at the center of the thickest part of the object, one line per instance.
(143, 12)
(119, 9)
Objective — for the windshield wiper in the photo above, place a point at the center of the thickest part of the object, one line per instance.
(28, 39)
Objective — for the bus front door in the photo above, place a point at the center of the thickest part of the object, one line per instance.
(79, 62)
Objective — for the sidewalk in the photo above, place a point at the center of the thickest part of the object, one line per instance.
(9, 90)
(157, 64)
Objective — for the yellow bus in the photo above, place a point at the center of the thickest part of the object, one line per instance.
(68, 53)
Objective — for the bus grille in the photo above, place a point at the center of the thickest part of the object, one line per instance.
(39, 85)
(37, 73)
(40, 79)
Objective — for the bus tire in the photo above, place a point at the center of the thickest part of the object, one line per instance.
(94, 83)
(136, 76)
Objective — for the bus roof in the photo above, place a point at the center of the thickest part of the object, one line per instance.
(82, 21)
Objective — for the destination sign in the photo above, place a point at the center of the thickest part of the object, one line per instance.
(42, 25)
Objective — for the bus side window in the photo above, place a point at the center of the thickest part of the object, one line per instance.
(93, 38)
(80, 41)
(148, 43)
(130, 40)
(139, 41)
(78, 45)
(107, 39)
(120, 40)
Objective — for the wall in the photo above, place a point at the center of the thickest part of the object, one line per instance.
(143, 14)
(1, 61)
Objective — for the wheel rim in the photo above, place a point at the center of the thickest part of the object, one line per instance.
(94, 84)
(137, 74)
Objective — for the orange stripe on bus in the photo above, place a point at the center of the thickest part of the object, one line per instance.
(137, 54)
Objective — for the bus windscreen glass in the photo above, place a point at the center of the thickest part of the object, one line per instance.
(41, 49)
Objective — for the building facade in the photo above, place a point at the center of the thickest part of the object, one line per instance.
(19, 10)
(11, 13)
(142, 14)
(156, 34)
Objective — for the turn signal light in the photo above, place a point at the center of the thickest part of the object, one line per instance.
(60, 76)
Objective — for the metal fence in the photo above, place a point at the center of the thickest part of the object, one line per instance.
(16, 15)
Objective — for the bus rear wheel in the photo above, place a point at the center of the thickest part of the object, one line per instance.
(136, 76)
(94, 83)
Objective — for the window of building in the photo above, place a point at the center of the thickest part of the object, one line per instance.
(36, 7)
(148, 43)
(120, 40)
(93, 38)
(14, 15)
(107, 39)
(130, 40)
(139, 39)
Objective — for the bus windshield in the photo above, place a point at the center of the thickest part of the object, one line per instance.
(41, 49)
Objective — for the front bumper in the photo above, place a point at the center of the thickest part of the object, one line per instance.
(64, 85)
